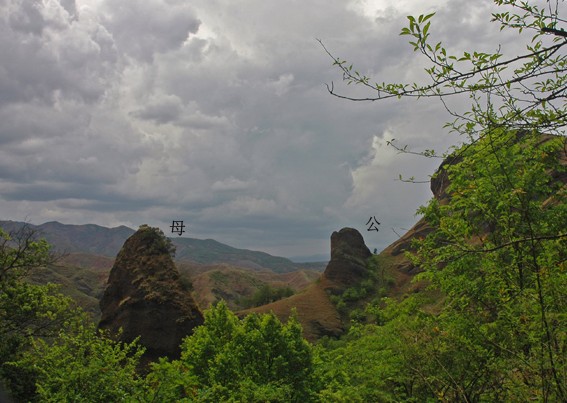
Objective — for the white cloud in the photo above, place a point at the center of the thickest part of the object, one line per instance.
(377, 9)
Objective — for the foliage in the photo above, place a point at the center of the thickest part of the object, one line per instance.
(20, 252)
(267, 294)
(82, 365)
(26, 310)
(256, 359)
(157, 241)
(374, 285)
(170, 381)
(372, 363)
(498, 252)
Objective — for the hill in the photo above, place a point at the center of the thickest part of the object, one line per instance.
(318, 307)
(238, 285)
(83, 277)
(97, 240)
(145, 298)
(209, 252)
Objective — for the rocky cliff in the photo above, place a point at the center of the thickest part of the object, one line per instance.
(347, 266)
(145, 296)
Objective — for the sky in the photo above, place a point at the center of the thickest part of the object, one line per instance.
(216, 113)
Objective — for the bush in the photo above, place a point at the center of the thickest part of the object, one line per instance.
(256, 359)
(84, 366)
(266, 295)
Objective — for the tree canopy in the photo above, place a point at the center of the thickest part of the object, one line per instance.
(228, 359)
(498, 249)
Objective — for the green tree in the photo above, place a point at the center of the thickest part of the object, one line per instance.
(498, 251)
(155, 237)
(383, 363)
(25, 310)
(49, 349)
(267, 294)
(22, 251)
(364, 367)
(256, 359)
(83, 365)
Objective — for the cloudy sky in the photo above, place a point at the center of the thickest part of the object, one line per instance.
(215, 112)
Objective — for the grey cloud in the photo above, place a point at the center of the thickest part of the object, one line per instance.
(73, 144)
(46, 191)
(298, 147)
(216, 113)
(231, 184)
(26, 17)
(77, 196)
(163, 110)
(142, 29)
(70, 6)
(54, 54)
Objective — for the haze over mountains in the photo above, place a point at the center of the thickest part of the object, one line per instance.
(97, 240)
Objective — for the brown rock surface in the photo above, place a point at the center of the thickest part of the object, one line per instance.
(146, 298)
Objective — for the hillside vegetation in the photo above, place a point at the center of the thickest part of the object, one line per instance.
(468, 306)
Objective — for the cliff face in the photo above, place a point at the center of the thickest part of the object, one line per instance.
(145, 296)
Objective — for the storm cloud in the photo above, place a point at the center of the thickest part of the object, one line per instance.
(216, 113)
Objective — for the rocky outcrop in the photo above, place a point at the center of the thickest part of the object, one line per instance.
(315, 310)
(347, 266)
(145, 296)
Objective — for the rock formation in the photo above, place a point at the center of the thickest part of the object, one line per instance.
(347, 266)
(145, 297)
(315, 311)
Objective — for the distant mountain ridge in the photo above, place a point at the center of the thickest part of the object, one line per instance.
(209, 251)
(97, 240)
(88, 238)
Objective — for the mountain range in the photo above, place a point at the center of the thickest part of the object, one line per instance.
(101, 241)
(216, 271)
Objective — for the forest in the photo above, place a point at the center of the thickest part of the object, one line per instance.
(491, 325)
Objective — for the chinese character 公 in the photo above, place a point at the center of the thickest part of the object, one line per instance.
(373, 225)
(177, 227)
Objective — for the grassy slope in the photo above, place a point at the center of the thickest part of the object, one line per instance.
(319, 316)
(315, 312)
